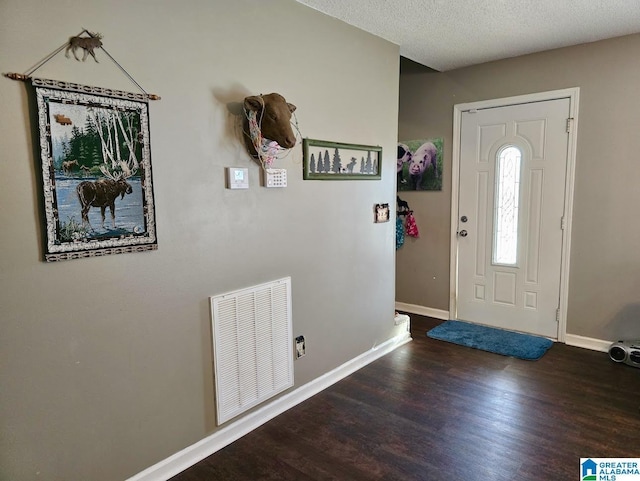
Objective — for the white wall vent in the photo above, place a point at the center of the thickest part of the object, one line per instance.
(252, 346)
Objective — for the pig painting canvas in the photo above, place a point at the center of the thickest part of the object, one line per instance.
(419, 164)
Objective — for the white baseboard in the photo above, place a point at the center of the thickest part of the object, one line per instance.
(587, 342)
(570, 339)
(189, 456)
(423, 311)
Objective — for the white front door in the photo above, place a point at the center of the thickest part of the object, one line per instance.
(512, 173)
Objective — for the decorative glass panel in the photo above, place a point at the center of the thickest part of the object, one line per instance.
(505, 247)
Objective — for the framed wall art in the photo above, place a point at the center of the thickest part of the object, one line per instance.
(420, 164)
(381, 213)
(96, 171)
(323, 160)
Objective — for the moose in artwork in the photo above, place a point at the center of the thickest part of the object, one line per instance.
(62, 119)
(103, 193)
(88, 44)
(69, 165)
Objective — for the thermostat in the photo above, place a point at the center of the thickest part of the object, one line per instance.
(237, 178)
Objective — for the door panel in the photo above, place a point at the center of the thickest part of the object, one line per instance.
(513, 163)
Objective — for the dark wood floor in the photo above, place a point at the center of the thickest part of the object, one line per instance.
(431, 410)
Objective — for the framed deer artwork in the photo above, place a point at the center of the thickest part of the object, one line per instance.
(96, 171)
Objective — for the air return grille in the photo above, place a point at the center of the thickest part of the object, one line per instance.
(252, 346)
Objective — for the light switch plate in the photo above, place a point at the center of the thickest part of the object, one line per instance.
(237, 178)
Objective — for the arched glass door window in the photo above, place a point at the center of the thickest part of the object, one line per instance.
(505, 230)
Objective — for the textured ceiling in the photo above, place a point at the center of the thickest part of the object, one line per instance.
(449, 34)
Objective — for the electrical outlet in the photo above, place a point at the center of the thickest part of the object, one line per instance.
(300, 347)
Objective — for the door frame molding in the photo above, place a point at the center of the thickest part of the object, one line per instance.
(573, 94)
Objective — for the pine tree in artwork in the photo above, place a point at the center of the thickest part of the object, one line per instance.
(94, 157)
(83, 151)
(312, 164)
(362, 171)
(74, 143)
(367, 165)
(327, 163)
(336, 166)
(66, 147)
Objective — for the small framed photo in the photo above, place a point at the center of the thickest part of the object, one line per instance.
(381, 212)
(324, 160)
(96, 173)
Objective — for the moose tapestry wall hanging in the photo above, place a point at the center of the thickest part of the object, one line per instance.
(95, 161)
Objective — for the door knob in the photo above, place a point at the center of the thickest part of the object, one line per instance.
(463, 233)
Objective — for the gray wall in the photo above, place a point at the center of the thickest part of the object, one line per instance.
(106, 362)
(604, 288)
